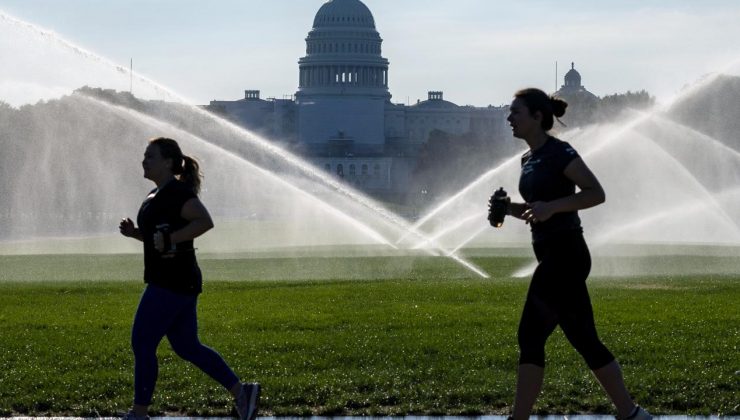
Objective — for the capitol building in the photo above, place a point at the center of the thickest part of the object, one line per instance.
(342, 118)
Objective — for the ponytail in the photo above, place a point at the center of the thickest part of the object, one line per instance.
(191, 174)
(185, 168)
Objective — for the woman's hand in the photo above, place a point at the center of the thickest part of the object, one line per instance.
(127, 228)
(539, 211)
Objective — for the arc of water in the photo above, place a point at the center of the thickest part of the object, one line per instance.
(529, 268)
(684, 209)
(621, 134)
(504, 165)
(332, 209)
(337, 187)
(245, 134)
(725, 148)
(485, 177)
(707, 195)
(687, 208)
(470, 238)
(629, 126)
(373, 234)
(478, 216)
(695, 87)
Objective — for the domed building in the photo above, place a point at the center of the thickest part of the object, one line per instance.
(343, 82)
(581, 103)
(342, 118)
(572, 86)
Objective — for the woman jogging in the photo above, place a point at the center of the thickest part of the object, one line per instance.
(170, 218)
(551, 171)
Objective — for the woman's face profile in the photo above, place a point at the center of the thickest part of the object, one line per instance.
(155, 166)
(522, 123)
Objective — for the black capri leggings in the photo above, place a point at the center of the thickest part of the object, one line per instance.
(558, 296)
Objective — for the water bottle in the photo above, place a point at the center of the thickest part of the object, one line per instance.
(498, 206)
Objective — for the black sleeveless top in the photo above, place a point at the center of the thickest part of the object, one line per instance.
(175, 269)
(542, 179)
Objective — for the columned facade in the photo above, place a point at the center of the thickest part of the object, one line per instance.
(342, 82)
(363, 76)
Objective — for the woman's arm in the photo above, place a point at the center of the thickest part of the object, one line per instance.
(591, 194)
(200, 221)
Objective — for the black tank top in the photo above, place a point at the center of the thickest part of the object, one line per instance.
(176, 269)
(542, 179)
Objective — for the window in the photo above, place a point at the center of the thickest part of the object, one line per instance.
(327, 167)
(340, 170)
(364, 169)
(376, 170)
(352, 171)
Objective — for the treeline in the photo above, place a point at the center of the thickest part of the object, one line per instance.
(585, 109)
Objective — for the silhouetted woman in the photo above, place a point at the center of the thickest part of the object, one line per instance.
(170, 218)
(551, 171)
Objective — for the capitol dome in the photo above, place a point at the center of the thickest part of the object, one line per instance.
(344, 13)
(343, 54)
(343, 81)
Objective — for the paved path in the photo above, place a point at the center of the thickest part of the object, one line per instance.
(550, 417)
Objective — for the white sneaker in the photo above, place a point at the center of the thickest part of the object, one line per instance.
(247, 401)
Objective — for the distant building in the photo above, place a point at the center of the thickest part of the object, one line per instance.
(573, 87)
(342, 117)
(581, 103)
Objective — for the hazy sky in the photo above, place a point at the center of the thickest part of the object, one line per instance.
(477, 51)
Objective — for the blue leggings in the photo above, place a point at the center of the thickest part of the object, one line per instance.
(162, 312)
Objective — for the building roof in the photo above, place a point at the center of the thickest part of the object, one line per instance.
(572, 77)
(435, 101)
(436, 104)
(573, 86)
(344, 13)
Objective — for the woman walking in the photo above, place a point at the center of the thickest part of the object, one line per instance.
(169, 219)
(551, 171)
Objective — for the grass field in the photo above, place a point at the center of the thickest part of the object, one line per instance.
(377, 336)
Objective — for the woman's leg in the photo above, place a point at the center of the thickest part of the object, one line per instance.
(577, 322)
(611, 379)
(151, 322)
(528, 385)
(183, 336)
(537, 323)
(578, 326)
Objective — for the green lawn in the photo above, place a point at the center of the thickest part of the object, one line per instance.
(383, 335)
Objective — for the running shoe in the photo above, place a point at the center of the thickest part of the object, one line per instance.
(639, 413)
(247, 401)
(132, 416)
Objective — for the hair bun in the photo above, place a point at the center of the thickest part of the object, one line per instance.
(558, 106)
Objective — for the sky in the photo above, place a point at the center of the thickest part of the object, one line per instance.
(478, 52)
